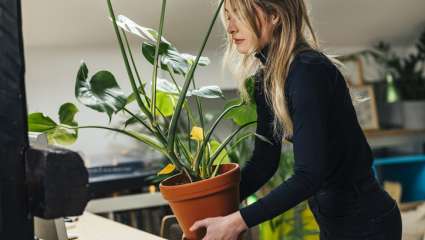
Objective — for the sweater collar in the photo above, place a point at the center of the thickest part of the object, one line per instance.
(263, 53)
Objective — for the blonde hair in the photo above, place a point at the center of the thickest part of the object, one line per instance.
(293, 33)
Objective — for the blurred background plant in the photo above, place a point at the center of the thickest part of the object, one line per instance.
(408, 72)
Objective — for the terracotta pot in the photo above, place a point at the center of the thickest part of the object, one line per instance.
(190, 202)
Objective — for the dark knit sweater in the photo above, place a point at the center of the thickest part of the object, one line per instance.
(329, 145)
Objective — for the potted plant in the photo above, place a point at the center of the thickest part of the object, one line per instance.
(195, 178)
(408, 76)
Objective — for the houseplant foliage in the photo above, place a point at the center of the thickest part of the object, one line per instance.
(193, 150)
(196, 176)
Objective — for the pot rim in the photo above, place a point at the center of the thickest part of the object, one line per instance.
(192, 184)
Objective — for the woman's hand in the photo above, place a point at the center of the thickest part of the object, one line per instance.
(228, 227)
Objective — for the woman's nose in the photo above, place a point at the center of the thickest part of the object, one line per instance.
(231, 28)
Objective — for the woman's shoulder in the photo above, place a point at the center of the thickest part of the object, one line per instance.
(311, 56)
(309, 66)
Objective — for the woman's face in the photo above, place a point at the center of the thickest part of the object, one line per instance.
(241, 36)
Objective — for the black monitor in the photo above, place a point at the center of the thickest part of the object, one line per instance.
(34, 181)
(15, 220)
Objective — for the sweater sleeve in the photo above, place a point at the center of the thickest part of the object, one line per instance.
(310, 96)
(265, 158)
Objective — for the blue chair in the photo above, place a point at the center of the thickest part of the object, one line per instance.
(408, 170)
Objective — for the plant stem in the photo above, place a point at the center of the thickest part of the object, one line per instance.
(206, 139)
(130, 134)
(176, 115)
(155, 66)
(156, 133)
(226, 141)
(222, 146)
(141, 83)
(199, 106)
(185, 106)
(127, 65)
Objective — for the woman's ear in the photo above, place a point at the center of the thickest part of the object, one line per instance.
(275, 19)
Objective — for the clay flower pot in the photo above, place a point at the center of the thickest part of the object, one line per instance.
(190, 202)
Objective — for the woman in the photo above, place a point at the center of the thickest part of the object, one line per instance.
(301, 93)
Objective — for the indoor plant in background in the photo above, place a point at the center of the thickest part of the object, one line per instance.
(408, 75)
(196, 182)
(297, 223)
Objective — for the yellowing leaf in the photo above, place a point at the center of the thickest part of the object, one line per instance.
(167, 169)
(197, 134)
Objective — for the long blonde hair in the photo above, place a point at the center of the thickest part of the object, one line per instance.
(292, 33)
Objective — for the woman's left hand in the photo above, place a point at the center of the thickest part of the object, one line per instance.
(222, 228)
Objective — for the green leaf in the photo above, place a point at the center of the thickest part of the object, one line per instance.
(179, 62)
(213, 91)
(37, 122)
(63, 136)
(208, 92)
(203, 61)
(133, 120)
(250, 87)
(143, 32)
(222, 157)
(56, 134)
(101, 93)
(165, 103)
(243, 114)
(130, 98)
(166, 86)
(67, 113)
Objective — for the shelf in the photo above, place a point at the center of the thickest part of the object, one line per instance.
(394, 137)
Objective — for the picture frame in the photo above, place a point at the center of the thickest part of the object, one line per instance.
(366, 110)
(354, 71)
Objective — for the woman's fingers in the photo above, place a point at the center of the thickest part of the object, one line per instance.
(198, 224)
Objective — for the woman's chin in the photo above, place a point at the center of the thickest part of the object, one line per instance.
(242, 49)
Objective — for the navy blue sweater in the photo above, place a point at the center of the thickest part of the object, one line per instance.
(328, 143)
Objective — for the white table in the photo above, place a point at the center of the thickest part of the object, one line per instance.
(93, 227)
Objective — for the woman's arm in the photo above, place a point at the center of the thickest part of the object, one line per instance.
(265, 157)
(311, 93)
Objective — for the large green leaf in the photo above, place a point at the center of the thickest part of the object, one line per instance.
(56, 134)
(213, 91)
(208, 92)
(101, 93)
(243, 114)
(179, 62)
(38, 122)
(143, 32)
(166, 86)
